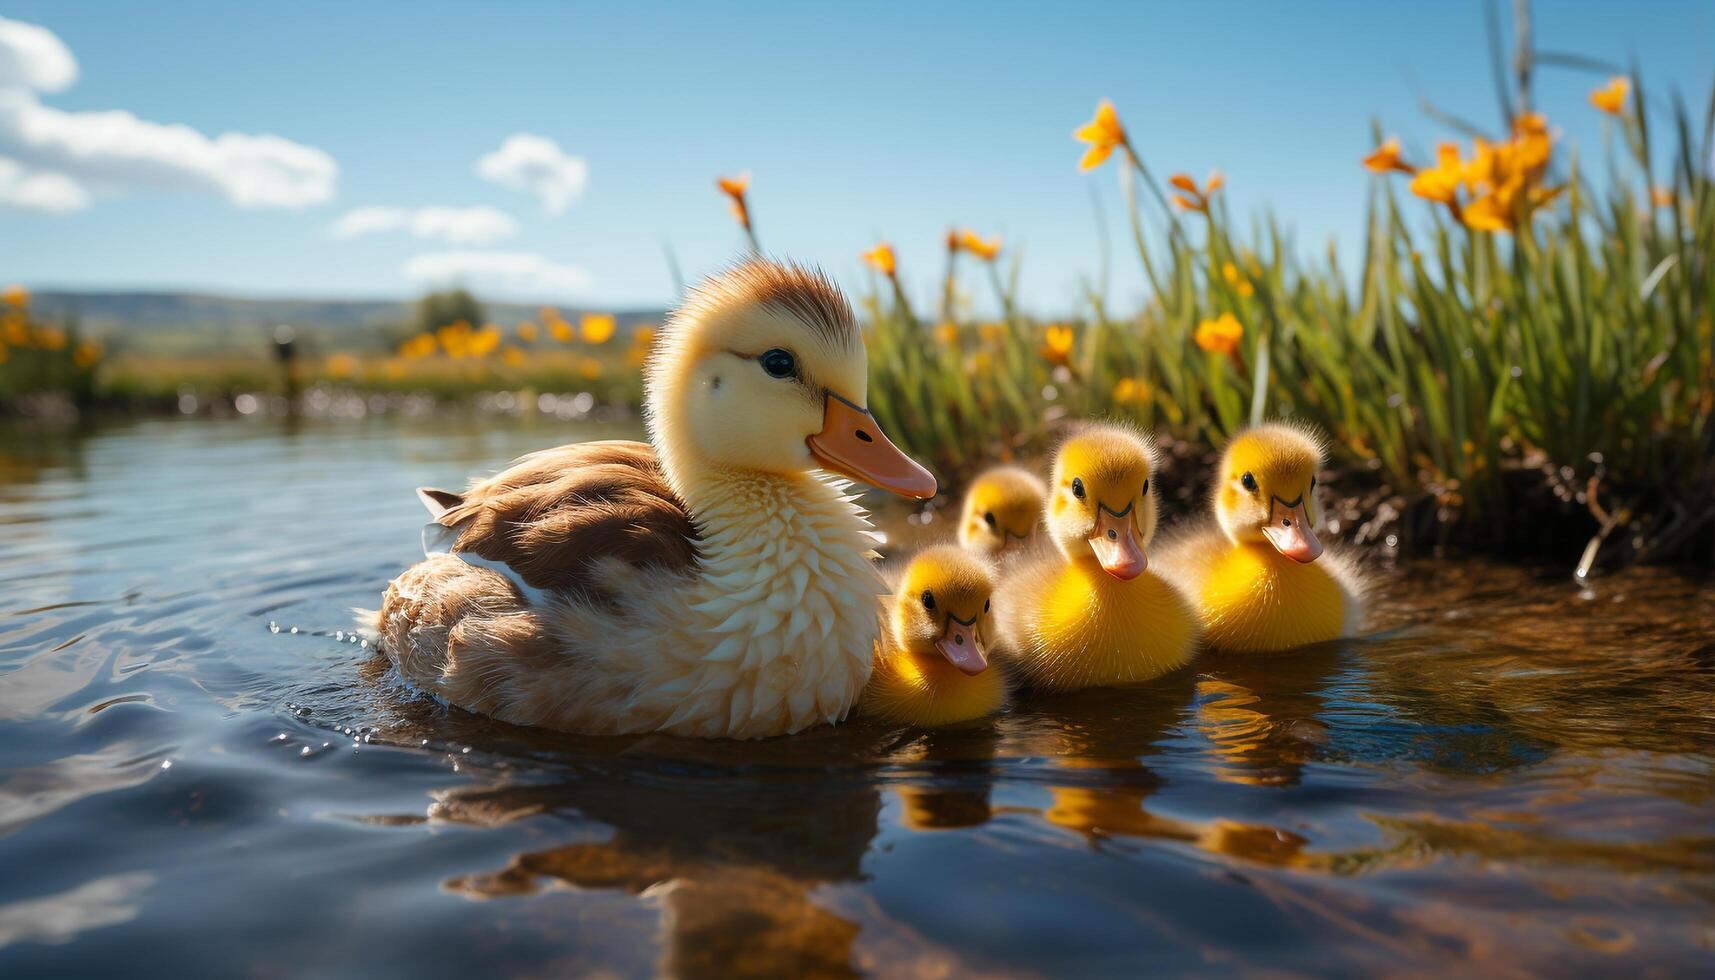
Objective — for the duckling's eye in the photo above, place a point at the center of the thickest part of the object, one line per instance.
(989, 518)
(928, 600)
(1249, 482)
(779, 363)
(1078, 487)
(1145, 492)
(985, 605)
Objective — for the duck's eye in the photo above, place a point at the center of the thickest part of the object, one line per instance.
(779, 363)
(1078, 487)
(989, 518)
(1248, 482)
(1145, 492)
(1312, 483)
(928, 600)
(985, 605)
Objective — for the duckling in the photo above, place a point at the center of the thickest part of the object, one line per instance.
(935, 670)
(1093, 615)
(1002, 510)
(717, 582)
(1256, 579)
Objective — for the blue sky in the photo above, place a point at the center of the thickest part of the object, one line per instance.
(857, 122)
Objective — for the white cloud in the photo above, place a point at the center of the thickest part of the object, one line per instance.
(113, 150)
(478, 225)
(37, 190)
(536, 165)
(32, 57)
(519, 274)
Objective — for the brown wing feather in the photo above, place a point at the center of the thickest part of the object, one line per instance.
(552, 514)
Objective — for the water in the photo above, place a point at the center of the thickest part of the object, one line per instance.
(1511, 776)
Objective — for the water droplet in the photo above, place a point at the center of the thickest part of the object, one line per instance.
(273, 627)
(294, 630)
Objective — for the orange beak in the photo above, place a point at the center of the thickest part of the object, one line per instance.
(1289, 530)
(851, 444)
(1116, 546)
(960, 645)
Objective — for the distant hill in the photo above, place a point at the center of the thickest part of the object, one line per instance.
(181, 322)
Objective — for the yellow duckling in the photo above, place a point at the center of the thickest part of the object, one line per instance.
(933, 669)
(1094, 615)
(716, 582)
(1257, 580)
(1003, 508)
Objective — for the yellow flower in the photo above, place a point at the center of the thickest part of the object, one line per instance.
(643, 337)
(341, 365)
(975, 244)
(513, 356)
(597, 328)
(1128, 390)
(51, 338)
(1104, 134)
(528, 331)
(393, 369)
(4, 354)
(1194, 199)
(1220, 335)
(1386, 158)
(561, 330)
(1057, 344)
(15, 296)
(483, 342)
(736, 188)
(590, 368)
(992, 333)
(86, 354)
(1441, 182)
(1611, 98)
(15, 329)
(947, 333)
(882, 260)
(422, 345)
(1241, 285)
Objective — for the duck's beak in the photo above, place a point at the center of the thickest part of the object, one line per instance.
(1116, 546)
(851, 444)
(960, 645)
(1289, 530)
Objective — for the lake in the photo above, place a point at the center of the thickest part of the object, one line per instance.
(205, 774)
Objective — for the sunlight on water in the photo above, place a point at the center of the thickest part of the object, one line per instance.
(1513, 774)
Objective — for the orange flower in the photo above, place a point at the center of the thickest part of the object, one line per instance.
(1057, 344)
(422, 345)
(1441, 182)
(973, 243)
(882, 260)
(1131, 390)
(15, 329)
(1104, 134)
(528, 331)
(1194, 199)
(86, 354)
(338, 365)
(483, 342)
(947, 333)
(597, 327)
(1611, 98)
(513, 356)
(51, 338)
(1386, 158)
(560, 329)
(736, 188)
(1241, 285)
(1220, 335)
(643, 337)
(15, 296)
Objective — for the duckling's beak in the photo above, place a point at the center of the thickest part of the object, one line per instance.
(851, 444)
(1289, 530)
(960, 645)
(1116, 546)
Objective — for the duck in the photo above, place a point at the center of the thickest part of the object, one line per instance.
(1091, 613)
(1001, 511)
(1260, 577)
(718, 581)
(933, 669)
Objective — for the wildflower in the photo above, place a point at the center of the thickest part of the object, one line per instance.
(947, 333)
(1220, 335)
(1104, 134)
(393, 369)
(1441, 182)
(643, 337)
(1194, 199)
(1240, 284)
(590, 368)
(512, 355)
(992, 333)
(341, 366)
(422, 345)
(881, 259)
(51, 338)
(597, 328)
(1506, 178)
(975, 244)
(528, 331)
(4, 354)
(1057, 345)
(735, 188)
(15, 329)
(482, 343)
(560, 329)
(1386, 158)
(1127, 390)
(1611, 98)
(15, 296)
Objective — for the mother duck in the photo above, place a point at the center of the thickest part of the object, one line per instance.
(717, 582)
